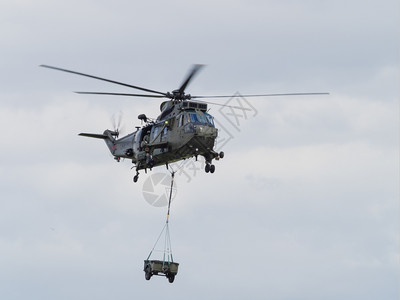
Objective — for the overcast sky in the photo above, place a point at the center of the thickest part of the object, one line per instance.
(303, 206)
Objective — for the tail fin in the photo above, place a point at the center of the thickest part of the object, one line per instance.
(93, 135)
(107, 136)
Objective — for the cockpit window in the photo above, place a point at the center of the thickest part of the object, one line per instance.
(209, 119)
(197, 117)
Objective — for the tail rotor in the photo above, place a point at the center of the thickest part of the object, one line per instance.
(116, 120)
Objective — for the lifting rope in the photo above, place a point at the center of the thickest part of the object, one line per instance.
(167, 257)
(170, 194)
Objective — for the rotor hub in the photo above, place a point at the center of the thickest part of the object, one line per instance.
(178, 95)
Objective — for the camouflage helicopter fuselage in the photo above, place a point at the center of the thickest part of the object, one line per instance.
(183, 130)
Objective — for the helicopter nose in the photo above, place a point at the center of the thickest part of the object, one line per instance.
(206, 131)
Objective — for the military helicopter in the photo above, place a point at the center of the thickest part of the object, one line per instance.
(184, 129)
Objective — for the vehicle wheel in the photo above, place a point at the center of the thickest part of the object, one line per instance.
(135, 178)
(171, 278)
(212, 168)
(147, 275)
(207, 168)
(221, 154)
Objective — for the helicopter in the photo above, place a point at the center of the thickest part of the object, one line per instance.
(184, 129)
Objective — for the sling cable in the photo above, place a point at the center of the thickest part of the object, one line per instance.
(165, 267)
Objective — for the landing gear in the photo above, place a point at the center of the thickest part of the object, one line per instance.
(212, 169)
(209, 168)
(136, 177)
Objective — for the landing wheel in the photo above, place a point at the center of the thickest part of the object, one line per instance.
(221, 154)
(135, 178)
(207, 168)
(212, 168)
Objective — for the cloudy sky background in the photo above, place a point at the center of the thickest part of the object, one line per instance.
(303, 206)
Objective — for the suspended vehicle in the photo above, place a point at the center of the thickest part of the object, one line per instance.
(158, 267)
(167, 266)
(184, 128)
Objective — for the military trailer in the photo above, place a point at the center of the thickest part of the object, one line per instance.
(160, 268)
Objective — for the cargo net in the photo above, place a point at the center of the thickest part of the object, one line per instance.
(165, 267)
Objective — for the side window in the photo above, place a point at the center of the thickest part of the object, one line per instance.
(155, 132)
(164, 134)
(210, 119)
(180, 121)
(137, 139)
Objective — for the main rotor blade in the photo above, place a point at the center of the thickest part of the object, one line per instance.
(189, 77)
(104, 79)
(225, 105)
(121, 94)
(259, 95)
